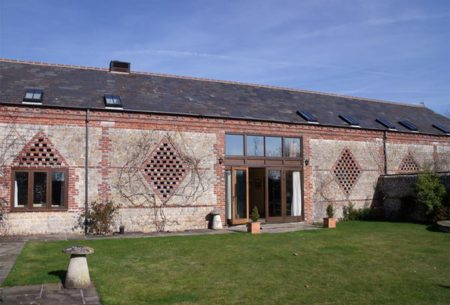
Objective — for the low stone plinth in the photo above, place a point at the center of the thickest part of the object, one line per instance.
(78, 271)
(444, 225)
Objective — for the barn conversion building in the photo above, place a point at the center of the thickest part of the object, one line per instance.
(170, 149)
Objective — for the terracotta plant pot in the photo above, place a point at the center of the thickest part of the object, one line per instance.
(254, 227)
(329, 222)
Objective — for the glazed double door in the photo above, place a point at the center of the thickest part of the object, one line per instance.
(283, 194)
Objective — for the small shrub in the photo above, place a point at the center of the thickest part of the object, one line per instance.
(350, 213)
(330, 211)
(100, 217)
(430, 193)
(255, 214)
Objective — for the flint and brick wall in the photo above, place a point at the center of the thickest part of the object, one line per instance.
(111, 133)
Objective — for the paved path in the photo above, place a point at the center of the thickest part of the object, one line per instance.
(266, 228)
(48, 294)
(9, 250)
(278, 227)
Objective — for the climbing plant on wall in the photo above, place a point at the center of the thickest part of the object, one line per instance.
(158, 167)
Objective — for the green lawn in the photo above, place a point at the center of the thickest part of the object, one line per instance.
(357, 263)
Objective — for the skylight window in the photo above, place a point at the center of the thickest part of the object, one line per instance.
(33, 96)
(350, 120)
(442, 128)
(113, 101)
(386, 123)
(407, 124)
(308, 116)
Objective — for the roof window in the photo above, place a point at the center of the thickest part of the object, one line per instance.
(442, 128)
(308, 116)
(113, 101)
(33, 96)
(408, 125)
(386, 123)
(350, 120)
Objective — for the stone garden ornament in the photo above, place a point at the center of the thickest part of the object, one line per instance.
(78, 271)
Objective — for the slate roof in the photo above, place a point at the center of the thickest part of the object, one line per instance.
(82, 87)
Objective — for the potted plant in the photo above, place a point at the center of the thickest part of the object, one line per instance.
(330, 221)
(254, 226)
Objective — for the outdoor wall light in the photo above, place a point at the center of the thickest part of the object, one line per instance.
(306, 162)
(220, 160)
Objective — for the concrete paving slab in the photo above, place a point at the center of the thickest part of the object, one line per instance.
(9, 250)
(48, 294)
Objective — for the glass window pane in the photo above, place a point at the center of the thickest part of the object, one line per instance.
(255, 146)
(234, 145)
(291, 148)
(58, 188)
(274, 188)
(273, 147)
(37, 96)
(29, 95)
(40, 189)
(21, 189)
(241, 194)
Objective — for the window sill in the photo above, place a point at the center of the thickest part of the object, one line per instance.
(28, 210)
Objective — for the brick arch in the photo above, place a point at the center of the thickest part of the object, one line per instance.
(39, 152)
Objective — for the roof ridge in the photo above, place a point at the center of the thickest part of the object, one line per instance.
(215, 81)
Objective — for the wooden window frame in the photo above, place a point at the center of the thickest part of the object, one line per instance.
(29, 206)
(246, 157)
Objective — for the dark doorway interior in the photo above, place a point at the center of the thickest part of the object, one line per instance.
(257, 180)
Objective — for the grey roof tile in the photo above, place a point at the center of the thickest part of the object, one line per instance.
(85, 87)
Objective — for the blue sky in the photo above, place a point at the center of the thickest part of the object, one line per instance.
(392, 50)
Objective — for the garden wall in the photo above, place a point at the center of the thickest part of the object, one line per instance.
(395, 197)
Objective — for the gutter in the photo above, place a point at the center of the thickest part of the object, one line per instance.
(86, 173)
(384, 151)
(205, 116)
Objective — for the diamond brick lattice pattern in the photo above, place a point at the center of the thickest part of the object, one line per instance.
(164, 170)
(347, 171)
(39, 152)
(409, 164)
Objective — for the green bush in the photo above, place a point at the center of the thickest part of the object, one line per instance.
(430, 193)
(330, 211)
(255, 214)
(350, 213)
(100, 217)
